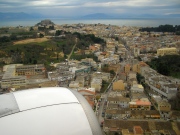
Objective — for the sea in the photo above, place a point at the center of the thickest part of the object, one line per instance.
(139, 22)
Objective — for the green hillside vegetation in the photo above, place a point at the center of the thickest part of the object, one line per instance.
(168, 65)
(14, 34)
(163, 28)
(53, 50)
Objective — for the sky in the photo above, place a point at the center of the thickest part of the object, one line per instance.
(84, 7)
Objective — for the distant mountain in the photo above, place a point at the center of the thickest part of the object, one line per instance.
(158, 16)
(174, 15)
(19, 15)
(111, 16)
(96, 16)
(147, 16)
(22, 15)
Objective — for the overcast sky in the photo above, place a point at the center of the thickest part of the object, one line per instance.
(84, 7)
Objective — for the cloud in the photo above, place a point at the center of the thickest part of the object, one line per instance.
(82, 7)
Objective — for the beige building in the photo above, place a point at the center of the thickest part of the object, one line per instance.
(127, 68)
(123, 102)
(164, 106)
(165, 109)
(132, 75)
(30, 69)
(74, 84)
(167, 51)
(137, 88)
(136, 52)
(137, 67)
(16, 75)
(49, 84)
(97, 84)
(101, 75)
(9, 78)
(118, 85)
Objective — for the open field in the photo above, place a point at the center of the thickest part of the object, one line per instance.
(26, 41)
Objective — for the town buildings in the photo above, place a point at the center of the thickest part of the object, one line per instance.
(16, 75)
(167, 51)
(132, 108)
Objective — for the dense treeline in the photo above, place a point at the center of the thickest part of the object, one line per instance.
(163, 28)
(17, 36)
(168, 65)
(61, 32)
(86, 39)
(90, 37)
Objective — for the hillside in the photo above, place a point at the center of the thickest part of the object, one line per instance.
(45, 23)
(52, 50)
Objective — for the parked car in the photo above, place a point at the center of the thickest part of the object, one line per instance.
(103, 114)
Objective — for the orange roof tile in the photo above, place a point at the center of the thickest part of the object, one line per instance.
(139, 102)
(91, 92)
(138, 130)
(103, 53)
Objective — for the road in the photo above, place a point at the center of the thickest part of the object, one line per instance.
(104, 98)
(69, 56)
(109, 89)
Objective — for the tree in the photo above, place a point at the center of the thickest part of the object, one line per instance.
(58, 32)
(163, 69)
(13, 37)
(65, 56)
(112, 72)
(57, 56)
(34, 61)
(168, 65)
(30, 60)
(31, 29)
(41, 35)
(139, 78)
(116, 133)
(5, 39)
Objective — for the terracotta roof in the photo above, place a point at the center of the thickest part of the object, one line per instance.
(127, 65)
(138, 130)
(140, 102)
(103, 53)
(86, 91)
(142, 64)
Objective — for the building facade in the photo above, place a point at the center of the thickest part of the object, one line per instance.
(167, 51)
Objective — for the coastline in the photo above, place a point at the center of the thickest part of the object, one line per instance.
(139, 22)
